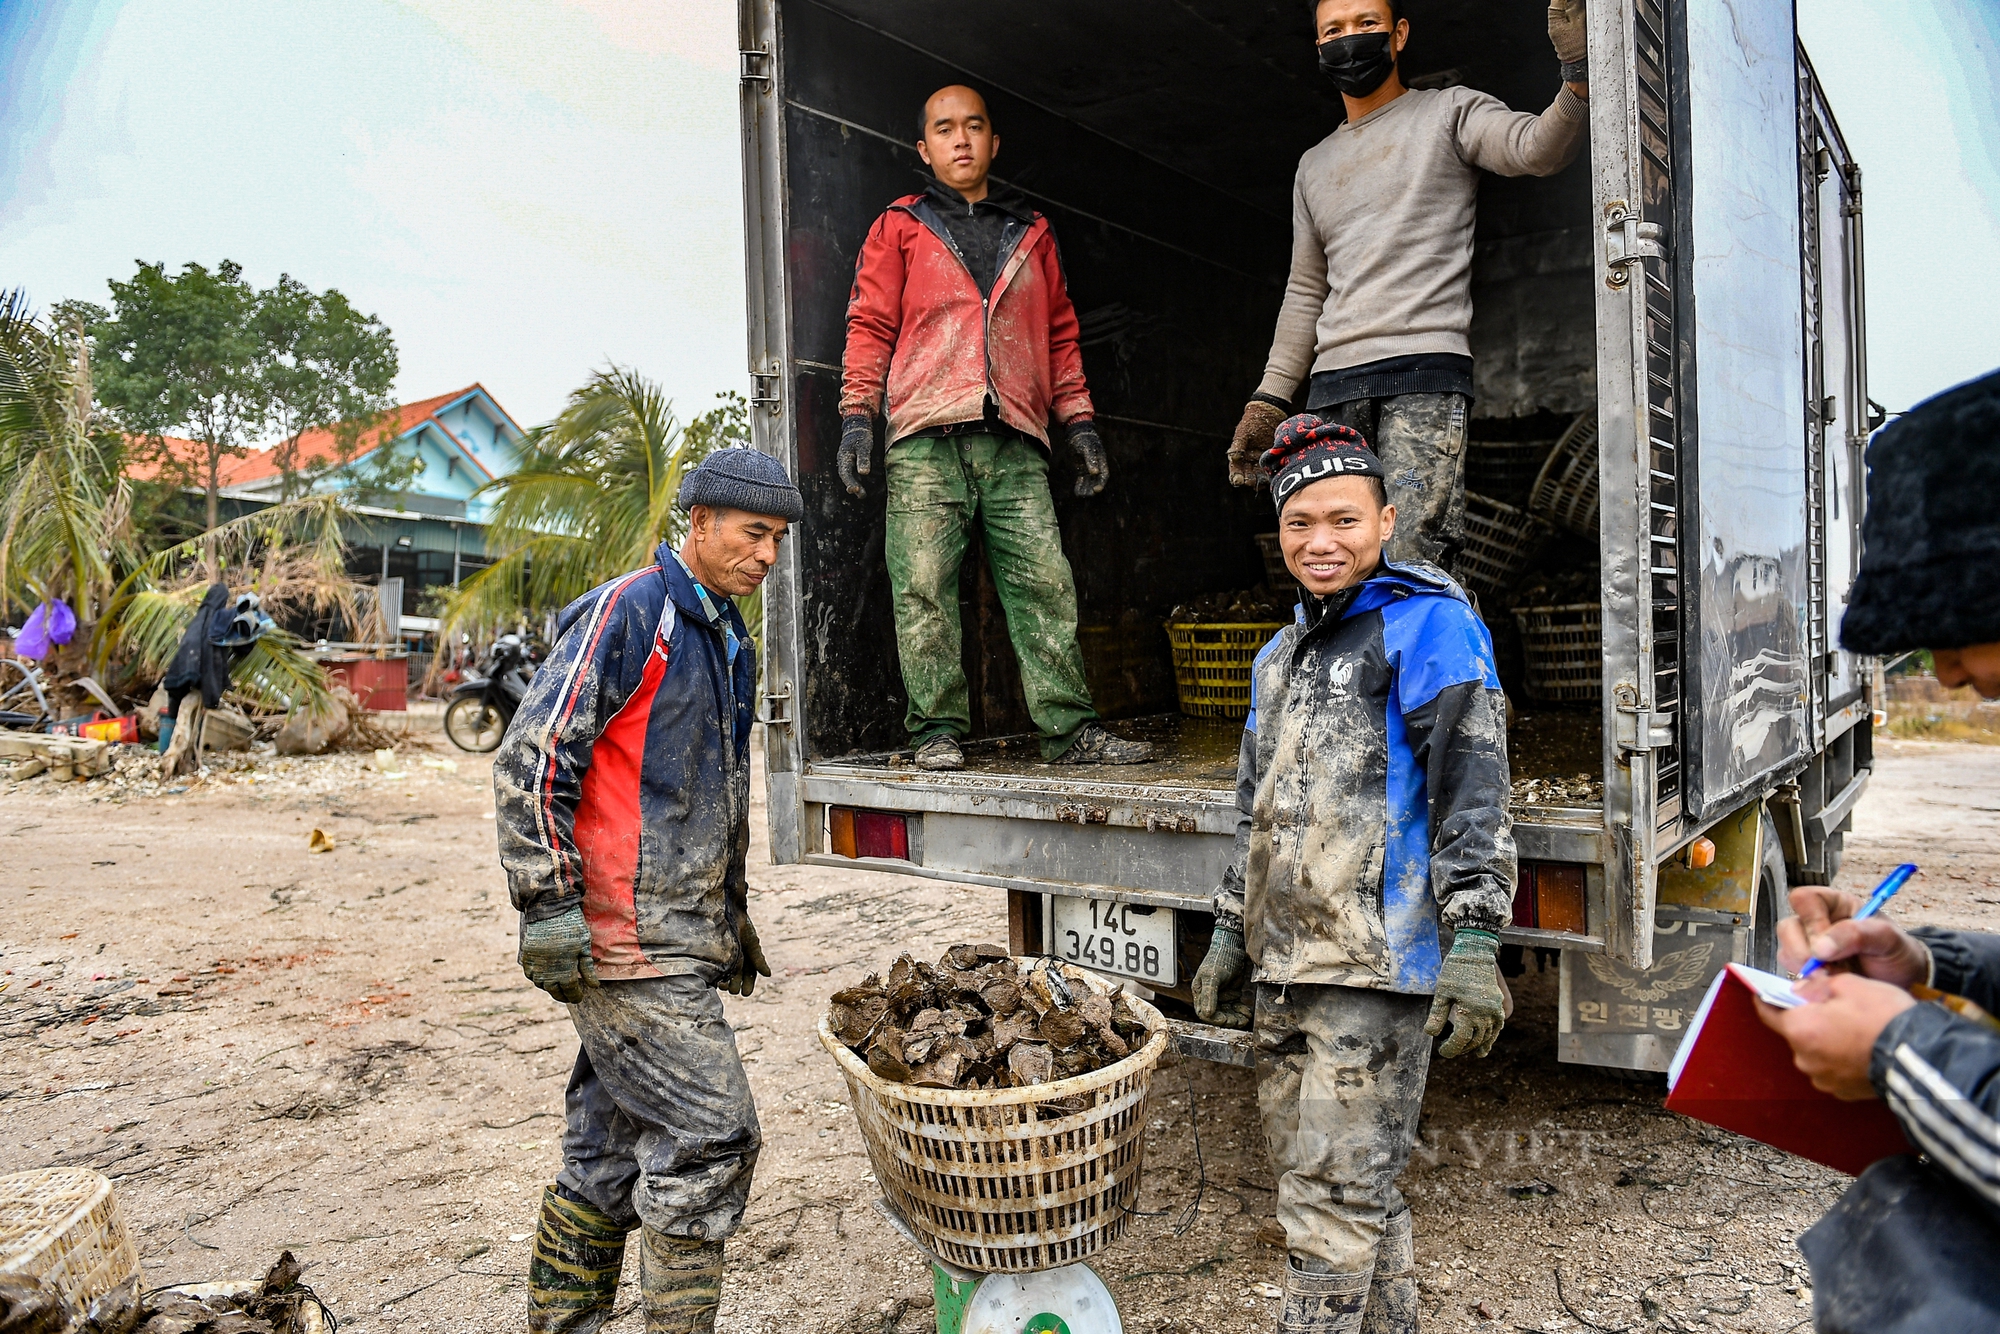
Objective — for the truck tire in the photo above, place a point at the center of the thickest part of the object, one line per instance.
(1773, 903)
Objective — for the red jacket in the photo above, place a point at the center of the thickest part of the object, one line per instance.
(918, 328)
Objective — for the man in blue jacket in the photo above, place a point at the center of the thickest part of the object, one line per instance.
(1372, 819)
(622, 796)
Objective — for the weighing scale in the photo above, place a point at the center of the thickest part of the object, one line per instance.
(1069, 1300)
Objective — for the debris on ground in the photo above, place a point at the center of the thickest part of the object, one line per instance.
(975, 1020)
(1558, 790)
(1250, 606)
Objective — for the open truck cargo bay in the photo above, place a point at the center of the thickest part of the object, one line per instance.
(1692, 284)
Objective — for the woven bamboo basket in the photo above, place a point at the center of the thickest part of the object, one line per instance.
(61, 1227)
(1564, 650)
(1499, 540)
(1565, 491)
(1011, 1180)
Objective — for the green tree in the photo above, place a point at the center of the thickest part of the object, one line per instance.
(592, 497)
(63, 505)
(328, 367)
(183, 354)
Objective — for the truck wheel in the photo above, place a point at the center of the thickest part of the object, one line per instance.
(1773, 900)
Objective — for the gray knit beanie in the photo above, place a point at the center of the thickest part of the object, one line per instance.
(743, 478)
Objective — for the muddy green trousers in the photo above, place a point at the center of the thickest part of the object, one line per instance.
(941, 490)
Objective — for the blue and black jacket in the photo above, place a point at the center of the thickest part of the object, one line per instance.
(1371, 788)
(623, 783)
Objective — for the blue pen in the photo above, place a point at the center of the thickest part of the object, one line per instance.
(1885, 891)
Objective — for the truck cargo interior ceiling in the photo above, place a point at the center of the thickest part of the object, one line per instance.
(1172, 204)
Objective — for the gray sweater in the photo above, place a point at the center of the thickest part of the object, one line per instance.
(1382, 214)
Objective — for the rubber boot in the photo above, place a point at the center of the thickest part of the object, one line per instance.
(1318, 1302)
(573, 1274)
(1392, 1293)
(680, 1283)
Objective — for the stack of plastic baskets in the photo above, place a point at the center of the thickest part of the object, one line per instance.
(1011, 1180)
(1499, 540)
(1212, 665)
(1565, 492)
(1276, 573)
(1564, 650)
(61, 1228)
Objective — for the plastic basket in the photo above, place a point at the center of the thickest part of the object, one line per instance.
(61, 1227)
(1276, 573)
(1564, 651)
(1212, 665)
(1499, 539)
(1505, 469)
(1565, 491)
(999, 1180)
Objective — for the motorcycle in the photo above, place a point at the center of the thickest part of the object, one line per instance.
(483, 704)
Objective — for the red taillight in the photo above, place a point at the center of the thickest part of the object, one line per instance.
(855, 833)
(1550, 896)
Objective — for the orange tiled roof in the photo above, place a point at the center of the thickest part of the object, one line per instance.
(315, 446)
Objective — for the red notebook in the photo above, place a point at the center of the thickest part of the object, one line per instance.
(1733, 1072)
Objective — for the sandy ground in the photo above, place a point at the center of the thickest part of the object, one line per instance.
(267, 1047)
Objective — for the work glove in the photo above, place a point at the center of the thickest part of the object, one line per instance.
(1567, 35)
(754, 966)
(1469, 994)
(857, 452)
(555, 954)
(1218, 990)
(1254, 434)
(1095, 468)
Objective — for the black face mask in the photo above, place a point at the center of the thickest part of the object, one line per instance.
(1359, 63)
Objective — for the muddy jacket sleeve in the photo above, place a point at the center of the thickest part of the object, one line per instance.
(874, 318)
(538, 772)
(1069, 397)
(1229, 899)
(1459, 740)
(1940, 1075)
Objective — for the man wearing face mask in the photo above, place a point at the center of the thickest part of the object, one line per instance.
(1378, 307)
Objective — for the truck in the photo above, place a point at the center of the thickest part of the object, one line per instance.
(1688, 293)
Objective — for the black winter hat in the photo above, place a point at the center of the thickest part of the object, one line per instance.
(1930, 544)
(742, 478)
(1309, 449)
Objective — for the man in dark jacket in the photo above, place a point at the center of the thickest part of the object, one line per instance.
(622, 795)
(1371, 796)
(960, 330)
(1914, 1244)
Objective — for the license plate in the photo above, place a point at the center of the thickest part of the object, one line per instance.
(1130, 939)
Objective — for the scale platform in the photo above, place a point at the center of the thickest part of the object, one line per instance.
(1069, 1300)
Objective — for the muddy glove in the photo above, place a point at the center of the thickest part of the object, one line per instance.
(1223, 971)
(753, 966)
(1567, 27)
(555, 954)
(1093, 468)
(1254, 434)
(1468, 993)
(857, 452)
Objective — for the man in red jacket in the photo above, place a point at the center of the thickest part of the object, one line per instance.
(960, 329)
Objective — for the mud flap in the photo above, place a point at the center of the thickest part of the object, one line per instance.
(1615, 1015)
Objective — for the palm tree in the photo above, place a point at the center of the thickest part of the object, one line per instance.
(63, 505)
(592, 498)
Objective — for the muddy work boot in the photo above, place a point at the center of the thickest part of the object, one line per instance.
(940, 752)
(1317, 1302)
(1392, 1293)
(1094, 745)
(573, 1274)
(680, 1283)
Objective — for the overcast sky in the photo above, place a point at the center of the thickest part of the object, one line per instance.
(523, 189)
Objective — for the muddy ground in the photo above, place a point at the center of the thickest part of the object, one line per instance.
(334, 1052)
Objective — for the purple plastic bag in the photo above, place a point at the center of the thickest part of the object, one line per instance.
(48, 625)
